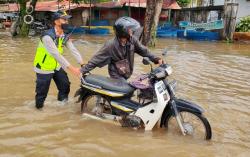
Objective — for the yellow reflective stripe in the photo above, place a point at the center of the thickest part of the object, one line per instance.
(105, 92)
(60, 44)
(121, 107)
(65, 13)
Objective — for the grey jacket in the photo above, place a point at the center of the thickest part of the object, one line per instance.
(113, 51)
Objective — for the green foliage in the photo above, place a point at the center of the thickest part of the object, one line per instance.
(183, 3)
(244, 25)
(77, 1)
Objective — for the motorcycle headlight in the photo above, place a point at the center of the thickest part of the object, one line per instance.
(169, 70)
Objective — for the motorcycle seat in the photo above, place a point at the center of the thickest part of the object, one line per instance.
(110, 84)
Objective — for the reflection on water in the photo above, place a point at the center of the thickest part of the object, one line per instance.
(214, 75)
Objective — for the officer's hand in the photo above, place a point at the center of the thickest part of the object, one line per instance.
(84, 75)
(75, 71)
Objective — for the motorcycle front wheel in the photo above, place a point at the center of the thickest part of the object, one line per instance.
(195, 125)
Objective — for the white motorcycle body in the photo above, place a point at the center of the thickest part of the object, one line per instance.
(152, 113)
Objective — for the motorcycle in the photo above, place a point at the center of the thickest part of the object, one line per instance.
(156, 103)
(38, 27)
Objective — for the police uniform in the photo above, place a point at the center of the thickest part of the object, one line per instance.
(50, 64)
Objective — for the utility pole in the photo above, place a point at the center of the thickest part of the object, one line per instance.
(140, 10)
(129, 9)
(69, 8)
(90, 13)
(58, 7)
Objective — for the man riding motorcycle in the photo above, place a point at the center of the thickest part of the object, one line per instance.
(118, 52)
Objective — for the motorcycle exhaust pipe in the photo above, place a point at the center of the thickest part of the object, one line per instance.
(112, 119)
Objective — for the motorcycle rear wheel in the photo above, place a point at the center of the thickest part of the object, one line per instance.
(95, 105)
(195, 125)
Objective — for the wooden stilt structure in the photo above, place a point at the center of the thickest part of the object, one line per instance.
(230, 14)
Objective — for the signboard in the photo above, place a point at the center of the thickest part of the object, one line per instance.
(218, 24)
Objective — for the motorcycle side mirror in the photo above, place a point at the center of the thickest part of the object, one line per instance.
(165, 51)
(145, 61)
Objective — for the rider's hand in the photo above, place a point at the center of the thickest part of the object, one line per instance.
(160, 61)
(85, 74)
(82, 65)
(75, 71)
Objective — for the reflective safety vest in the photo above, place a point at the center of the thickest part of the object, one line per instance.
(43, 59)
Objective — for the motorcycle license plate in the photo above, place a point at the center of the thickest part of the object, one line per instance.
(160, 86)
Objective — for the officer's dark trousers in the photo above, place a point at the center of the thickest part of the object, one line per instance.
(43, 83)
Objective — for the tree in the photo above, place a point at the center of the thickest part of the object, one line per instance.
(24, 28)
(19, 27)
(20, 24)
(183, 3)
(151, 20)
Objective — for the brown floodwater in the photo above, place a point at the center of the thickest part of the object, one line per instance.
(215, 75)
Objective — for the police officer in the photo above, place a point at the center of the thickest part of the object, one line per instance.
(49, 62)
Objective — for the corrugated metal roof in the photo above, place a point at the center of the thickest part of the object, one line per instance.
(47, 6)
(111, 4)
(53, 5)
(167, 4)
(170, 4)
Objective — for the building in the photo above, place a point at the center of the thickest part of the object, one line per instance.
(200, 11)
(244, 9)
(104, 13)
(44, 9)
(134, 8)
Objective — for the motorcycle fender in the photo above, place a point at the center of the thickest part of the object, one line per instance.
(182, 105)
(188, 106)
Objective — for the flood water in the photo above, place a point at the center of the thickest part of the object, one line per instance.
(215, 75)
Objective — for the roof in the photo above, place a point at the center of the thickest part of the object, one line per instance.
(45, 6)
(53, 5)
(109, 5)
(167, 4)
(170, 4)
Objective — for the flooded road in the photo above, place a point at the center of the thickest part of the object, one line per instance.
(214, 75)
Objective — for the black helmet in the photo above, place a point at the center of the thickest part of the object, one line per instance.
(123, 25)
